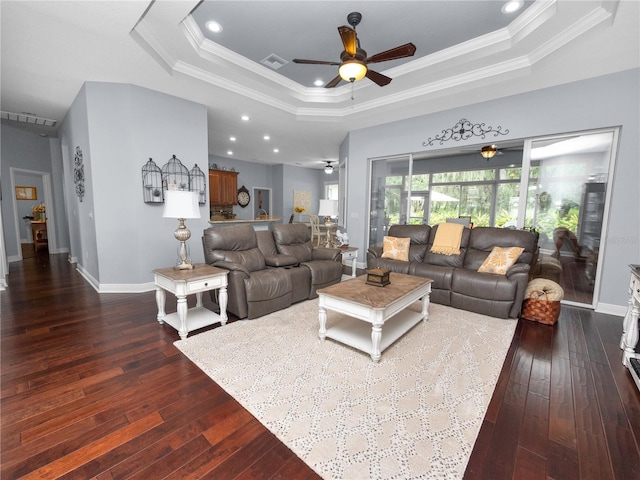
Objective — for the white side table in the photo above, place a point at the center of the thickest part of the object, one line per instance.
(630, 334)
(350, 253)
(185, 282)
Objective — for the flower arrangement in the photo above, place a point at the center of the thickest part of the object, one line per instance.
(298, 209)
(39, 211)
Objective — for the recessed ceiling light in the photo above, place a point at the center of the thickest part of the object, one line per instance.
(267, 137)
(512, 6)
(276, 150)
(318, 83)
(245, 118)
(229, 152)
(213, 26)
(233, 139)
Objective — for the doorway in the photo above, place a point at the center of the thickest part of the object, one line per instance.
(44, 196)
(262, 204)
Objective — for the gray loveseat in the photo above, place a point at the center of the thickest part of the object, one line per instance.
(269, 270)
(456, 280)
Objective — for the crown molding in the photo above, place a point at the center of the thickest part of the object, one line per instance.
(320, 104)
(578, 28)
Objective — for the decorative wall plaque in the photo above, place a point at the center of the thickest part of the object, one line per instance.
(463, 130)
(78, 173)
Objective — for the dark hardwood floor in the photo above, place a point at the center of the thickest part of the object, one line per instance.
(92, 387)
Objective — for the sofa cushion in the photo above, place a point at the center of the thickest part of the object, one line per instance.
(267, 291)
(470, 283)
(419, 234)
(483, 239)
(440, 275)
(500, 260)
(293, 239)
(267, 284)
(233, 244)
(395, 248)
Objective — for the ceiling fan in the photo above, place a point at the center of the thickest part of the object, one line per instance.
(353, 59)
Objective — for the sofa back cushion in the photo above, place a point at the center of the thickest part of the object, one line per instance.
(293, 239)
(447, 260)
(483, 239)
(235, 244)
(418, 235)
(265, 243)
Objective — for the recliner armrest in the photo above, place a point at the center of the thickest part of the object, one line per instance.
(231, 266)
(518, 268)
(326, 254)
(281, 260)
(375, 251)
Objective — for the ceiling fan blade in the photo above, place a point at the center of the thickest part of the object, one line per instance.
(349, 39)
(314, 62)
(406, 50)
(333, 82)
(378, 78)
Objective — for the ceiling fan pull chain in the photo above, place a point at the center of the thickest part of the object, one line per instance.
(353, 87)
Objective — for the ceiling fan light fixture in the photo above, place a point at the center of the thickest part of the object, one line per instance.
(328, 168)
(488, 151)
(352, 70)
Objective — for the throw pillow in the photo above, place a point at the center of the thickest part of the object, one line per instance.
(396, 248)
(500, 259)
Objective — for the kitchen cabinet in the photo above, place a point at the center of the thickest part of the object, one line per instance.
(223, 187)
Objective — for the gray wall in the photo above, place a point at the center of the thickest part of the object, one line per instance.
(605, 101)
(116, 238)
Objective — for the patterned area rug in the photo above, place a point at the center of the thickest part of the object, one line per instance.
(416, 414)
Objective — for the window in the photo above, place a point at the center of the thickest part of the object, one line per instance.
(331, 191)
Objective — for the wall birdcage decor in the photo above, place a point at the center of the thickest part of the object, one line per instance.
(175, 175)
(197, 183)
(152, 190)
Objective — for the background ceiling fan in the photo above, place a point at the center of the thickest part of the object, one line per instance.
(353, 59)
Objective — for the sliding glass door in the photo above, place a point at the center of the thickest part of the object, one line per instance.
(557, 186)
(566, 193)
(389, 194)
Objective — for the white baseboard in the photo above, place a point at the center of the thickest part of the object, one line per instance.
(611, 309)
(127, 288)
(88, 277)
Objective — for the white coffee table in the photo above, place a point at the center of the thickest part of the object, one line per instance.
(185, 282)
(377, 316)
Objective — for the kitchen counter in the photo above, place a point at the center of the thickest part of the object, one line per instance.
(246, 220)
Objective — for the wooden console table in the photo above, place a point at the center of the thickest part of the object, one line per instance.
(39, 233)
(185, 282)
(629, 340)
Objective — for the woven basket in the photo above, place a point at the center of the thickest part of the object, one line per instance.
(541, 310)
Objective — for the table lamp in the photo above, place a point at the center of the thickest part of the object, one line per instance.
(181, 204)
(328, 209)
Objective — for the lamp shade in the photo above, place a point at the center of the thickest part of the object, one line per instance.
(328, 208)
(181, 204)
(352, 70)
(488, 151)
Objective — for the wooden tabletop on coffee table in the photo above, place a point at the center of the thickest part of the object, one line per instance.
(357, 291)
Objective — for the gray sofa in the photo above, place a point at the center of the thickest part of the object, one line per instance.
(269, 270)
(456, 281)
